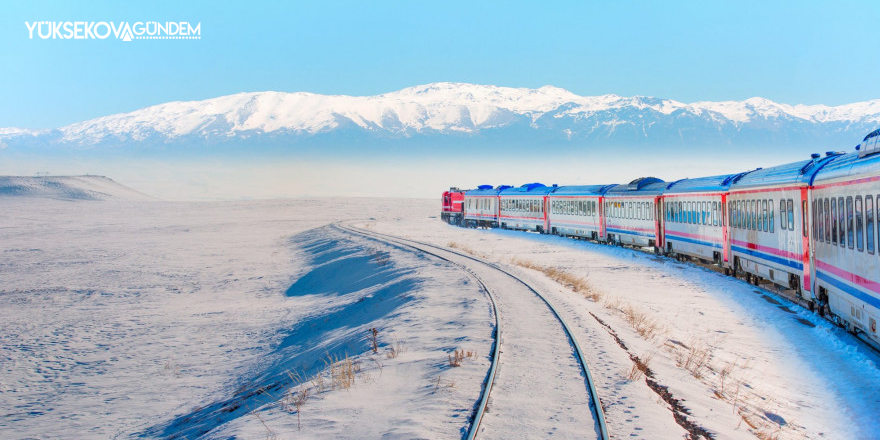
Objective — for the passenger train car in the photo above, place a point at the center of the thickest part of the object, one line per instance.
(575, 211)
(525, 207)
(630, 212)
(764, 245)
(846, 269)
(694, 218)
(812, 227)
(481, 206)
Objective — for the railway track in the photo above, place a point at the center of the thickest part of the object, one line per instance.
(537, 386)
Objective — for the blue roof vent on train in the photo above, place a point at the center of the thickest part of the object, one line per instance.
(485, 187)
(817, 159)
(531, 186)
(503, 187)
(869, 145)
(639, 183)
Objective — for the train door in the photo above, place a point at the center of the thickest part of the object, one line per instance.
(659, 220)
(602, 214)
(725, 243)
(546, 203)
(805, 240)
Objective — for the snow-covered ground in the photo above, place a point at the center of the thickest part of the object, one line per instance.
(252, 320)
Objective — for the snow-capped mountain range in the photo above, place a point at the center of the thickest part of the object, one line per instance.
(464, 110)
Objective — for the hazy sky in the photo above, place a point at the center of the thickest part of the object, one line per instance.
(791, 52)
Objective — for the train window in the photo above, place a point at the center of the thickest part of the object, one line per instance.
(734, 214)
(739, 214)
(860, 225)
(730, 213)
(790, 215)
(751, 218)
(747, 211)
(815, 226)
(782, 215)
(760, 215)
(829, 221)
(714, 213)
(770, 212)
(703, 213)
(869, 223)
(833, 219)
(850, 236)
(804, 218)
(841, 220)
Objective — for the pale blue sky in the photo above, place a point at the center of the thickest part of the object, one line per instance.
(792, 52)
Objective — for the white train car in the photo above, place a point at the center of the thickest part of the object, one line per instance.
(631, 213)
(695, 218)
(525, 207)
(576, 211)
(481, 206)
(767, 210)
(845, 200)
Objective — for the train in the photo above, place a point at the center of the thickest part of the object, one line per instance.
(811, 227)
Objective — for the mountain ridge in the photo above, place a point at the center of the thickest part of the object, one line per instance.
(460, 109)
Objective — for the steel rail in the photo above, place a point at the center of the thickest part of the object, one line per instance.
(595, 406)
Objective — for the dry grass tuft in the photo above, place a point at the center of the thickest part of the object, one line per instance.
(397, 348)
(465, 248)
(647, 327)
(640, 367)
(458, 356)
(578, 284)
(374, 340)
(342, 372)
(694, 357)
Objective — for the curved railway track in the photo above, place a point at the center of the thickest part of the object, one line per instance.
(525, 368)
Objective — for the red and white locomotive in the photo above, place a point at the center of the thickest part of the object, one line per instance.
(811, 226)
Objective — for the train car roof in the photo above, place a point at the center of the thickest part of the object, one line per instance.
(703, 184)
(486, 190)
(847, 165)
(582, 190)
(528, 190)
(801, 172)
(640, 186)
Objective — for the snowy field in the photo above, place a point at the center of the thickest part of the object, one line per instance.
(129, 319)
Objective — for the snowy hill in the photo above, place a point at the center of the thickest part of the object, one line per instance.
(68, 188)
(469, 110)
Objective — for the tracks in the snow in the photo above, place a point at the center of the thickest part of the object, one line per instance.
(544, 386)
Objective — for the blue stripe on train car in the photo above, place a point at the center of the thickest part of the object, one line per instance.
(768, 257)
(828, 278)
(692, 240)
(624, 231)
